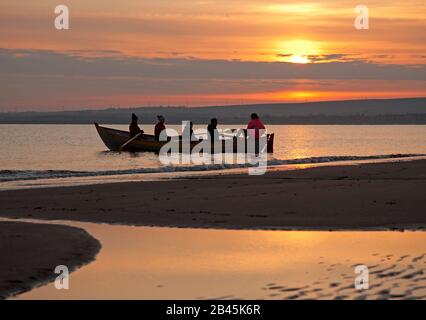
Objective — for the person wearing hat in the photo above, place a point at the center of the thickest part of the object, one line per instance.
(133, 127)
(159, 127)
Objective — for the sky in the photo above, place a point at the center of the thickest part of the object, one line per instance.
(197, 53)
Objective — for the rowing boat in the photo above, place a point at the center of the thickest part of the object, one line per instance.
(114, 139)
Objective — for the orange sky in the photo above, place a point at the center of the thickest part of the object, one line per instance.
(206, 31)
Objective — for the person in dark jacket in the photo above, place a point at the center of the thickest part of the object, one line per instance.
(133, 127)
(191, 131)
(159, 127)
(212, 128)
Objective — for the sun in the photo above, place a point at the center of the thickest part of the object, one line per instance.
(295, 58)
(297, 50)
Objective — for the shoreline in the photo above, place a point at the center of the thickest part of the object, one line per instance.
(35, 249)
(87, 179)
(380, 196)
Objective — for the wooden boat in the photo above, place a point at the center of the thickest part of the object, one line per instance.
(114, 139)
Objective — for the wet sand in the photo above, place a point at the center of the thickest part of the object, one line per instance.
(30, 253)
(357, 197)
(173, 263)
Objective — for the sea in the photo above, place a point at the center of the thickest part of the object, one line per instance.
(57, 155)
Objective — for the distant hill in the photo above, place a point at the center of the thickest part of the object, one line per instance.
(376, 111)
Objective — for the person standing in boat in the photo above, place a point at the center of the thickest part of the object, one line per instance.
(133, 127)
(212, 128)
(159, 127)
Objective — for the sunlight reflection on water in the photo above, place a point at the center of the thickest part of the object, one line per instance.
(171, 263)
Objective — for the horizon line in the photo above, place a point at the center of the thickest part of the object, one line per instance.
(212, 106)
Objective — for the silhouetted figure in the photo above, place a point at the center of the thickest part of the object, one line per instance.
(211, 128)
(159, 127)
(133, 127)
(188, 132)
(191, 131)
(255, 124)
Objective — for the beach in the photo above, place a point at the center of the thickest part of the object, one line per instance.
(379, 196)
(30, 252)
(356, 197)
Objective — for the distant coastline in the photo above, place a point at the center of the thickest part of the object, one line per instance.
(371, 111)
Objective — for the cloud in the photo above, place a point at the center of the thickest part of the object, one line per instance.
(333, 57)
(284, 55)
(48, 79)
(44, 62)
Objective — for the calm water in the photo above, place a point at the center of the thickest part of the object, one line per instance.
(166, 263)
(60, 151)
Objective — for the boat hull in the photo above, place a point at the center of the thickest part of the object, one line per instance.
(114, 139)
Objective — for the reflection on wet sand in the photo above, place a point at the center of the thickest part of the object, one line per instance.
(167, 263)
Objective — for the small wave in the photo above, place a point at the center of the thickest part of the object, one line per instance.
(16, 175)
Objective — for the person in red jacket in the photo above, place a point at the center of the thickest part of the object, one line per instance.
(255, 124)
(159, 127)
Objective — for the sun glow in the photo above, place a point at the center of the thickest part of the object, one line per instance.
(297, 51)
(298, 59)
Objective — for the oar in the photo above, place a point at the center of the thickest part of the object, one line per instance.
(128, 141)
(234, 133)
(227, 135)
